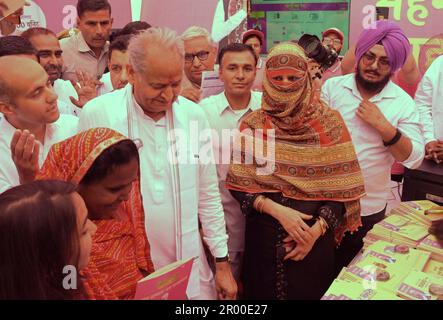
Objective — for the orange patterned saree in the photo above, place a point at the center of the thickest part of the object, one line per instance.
(120, 253)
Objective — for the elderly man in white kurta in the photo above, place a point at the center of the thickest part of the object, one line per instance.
(179, 180)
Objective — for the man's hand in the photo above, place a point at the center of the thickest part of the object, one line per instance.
(192, 94)
(225, 282)
(86, 89)
(25, 153)
(371, 114)
(434, 151)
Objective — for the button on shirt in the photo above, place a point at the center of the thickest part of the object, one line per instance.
(341, 93)
(78, 56)
(222, 120)
(63, 128)
(429, 100)
(157, 189)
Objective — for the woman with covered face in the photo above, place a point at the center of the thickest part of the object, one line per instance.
(299, 211)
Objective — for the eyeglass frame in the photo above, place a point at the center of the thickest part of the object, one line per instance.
(382, 63)
(333, 41)
(193, 55)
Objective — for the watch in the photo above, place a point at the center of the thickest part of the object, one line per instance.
(223, 259)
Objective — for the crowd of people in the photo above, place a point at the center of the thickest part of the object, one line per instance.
(113, 162)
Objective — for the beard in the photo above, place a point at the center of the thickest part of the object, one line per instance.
(369, 86)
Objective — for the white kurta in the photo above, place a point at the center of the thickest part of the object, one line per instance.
(429, 100)
(174, 201)
(63, 128)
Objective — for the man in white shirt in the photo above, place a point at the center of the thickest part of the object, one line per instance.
(117, 77)
(224, 113)
(200, 56)
(382, 119)
(179, 182)
(49, 55)
(22, 47)
(31, 121)
(429, 100)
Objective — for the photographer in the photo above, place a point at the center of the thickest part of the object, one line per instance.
(333, 38)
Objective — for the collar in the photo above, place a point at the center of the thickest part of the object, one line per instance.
(388, 92)
(84, 47)
(223, 104)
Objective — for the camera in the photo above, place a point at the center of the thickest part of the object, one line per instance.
(314, 49)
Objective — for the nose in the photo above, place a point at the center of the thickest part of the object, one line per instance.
(374, 65)
(196, 62)
(167, 94)
(53, 59)
(93, 228)
(124, 196)
(240, 74)
(124, 76)
(99, 28)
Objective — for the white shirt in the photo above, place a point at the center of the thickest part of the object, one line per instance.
(375, 160)
(429, 100)
(195, 196)
(64, 90)
(107, 84)
(63, 128)
(157, 194)
(222, 120)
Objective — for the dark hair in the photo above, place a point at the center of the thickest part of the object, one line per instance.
(14, 45)
(134, 28)
(92, 5)
(120, 43)
(38, 238)
(118, 154)
(37, 31)
(236, 47)
(252, 36)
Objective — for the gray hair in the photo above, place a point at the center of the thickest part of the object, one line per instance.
(141, 44)
(196, 32)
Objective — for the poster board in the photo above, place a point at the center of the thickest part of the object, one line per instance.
(285, 20)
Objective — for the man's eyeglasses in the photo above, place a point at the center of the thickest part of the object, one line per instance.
(327, 41)
(201, 55)
(369, 59)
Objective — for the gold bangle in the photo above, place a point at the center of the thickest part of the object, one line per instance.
(323, 225)
(260, 202)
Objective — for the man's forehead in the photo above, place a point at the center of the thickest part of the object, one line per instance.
(96, 16)
(119, 55)
(332, 36)
(239, 58)
(197, 44)
(378, 50)
(43, 40)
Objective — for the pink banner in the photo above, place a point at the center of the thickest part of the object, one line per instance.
(58, 15)
(179, 15)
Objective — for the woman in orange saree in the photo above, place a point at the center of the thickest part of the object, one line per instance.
(105, 167)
